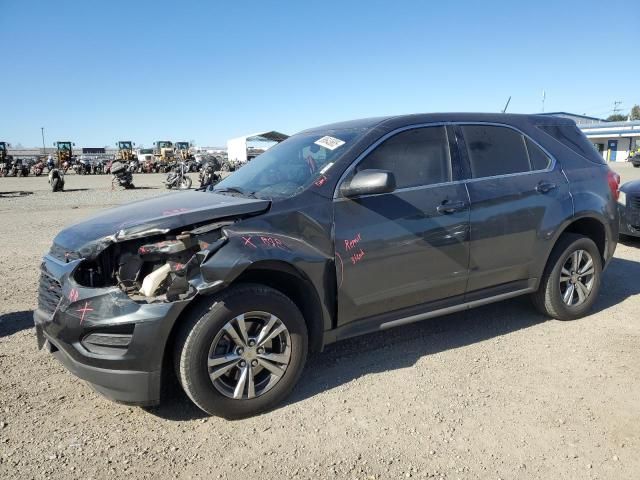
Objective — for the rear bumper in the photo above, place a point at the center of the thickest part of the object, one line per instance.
(129, 373)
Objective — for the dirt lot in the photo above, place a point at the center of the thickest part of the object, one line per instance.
(497, 392)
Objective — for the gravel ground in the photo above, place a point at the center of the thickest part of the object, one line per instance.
(496, 392)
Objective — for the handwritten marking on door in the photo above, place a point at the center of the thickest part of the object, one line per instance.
(356, 257)
(353, 243)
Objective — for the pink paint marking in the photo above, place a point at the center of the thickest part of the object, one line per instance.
(74, 295)
(248, 242)
(84, 311)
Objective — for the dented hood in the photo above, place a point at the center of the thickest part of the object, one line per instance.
(153, 216)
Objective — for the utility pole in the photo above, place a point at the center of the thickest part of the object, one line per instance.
(44, 149)
(616, 107)
(544, 96)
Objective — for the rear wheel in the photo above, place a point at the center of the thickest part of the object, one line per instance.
(243, 353)
(571, 280)
(55, 184)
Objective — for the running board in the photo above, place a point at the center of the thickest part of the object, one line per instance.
(455, 308)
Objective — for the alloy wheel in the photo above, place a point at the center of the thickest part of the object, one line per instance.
(577, 278)
(249, 355)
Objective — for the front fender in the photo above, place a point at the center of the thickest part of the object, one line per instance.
(247, 247)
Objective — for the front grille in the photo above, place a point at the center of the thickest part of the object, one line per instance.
(49, 293)
(634, 201)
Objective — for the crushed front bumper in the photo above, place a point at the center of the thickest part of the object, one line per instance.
(102, 336)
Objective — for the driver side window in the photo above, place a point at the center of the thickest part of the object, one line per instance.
(416, 157)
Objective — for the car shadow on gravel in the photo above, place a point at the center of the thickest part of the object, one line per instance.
(402, 347)
(15, 322)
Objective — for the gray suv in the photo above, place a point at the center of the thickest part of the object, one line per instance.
(338, 231)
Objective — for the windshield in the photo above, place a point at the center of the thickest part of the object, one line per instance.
(64, 145)
(182, 145)
(290, 167)
(164, 144)
(125, 146)
(146, 151)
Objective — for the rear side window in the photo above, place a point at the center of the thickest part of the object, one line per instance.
(495, 150)
(416, 157)
(539, 159)
(571, 136)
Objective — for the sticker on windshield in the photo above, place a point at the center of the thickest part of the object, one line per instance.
(330, 143)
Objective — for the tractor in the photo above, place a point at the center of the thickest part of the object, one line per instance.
(6, 160)
(125, 151)
(183, 151)
(164, 153)
(64, 152)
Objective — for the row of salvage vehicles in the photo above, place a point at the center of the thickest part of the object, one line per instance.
(176, 161)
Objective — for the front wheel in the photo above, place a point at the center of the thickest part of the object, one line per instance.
(185, 183)
(242, 353)
(571, 279)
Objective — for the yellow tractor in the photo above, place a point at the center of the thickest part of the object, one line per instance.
(64, 152)
(164, 154)
(183, 151)
(125, 151)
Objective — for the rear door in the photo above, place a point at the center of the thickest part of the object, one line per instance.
(518, 196)
(407, 247)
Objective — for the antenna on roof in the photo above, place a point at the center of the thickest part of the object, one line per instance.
(507, 105)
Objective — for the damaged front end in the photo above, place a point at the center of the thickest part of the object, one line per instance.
(106, 311)
(154, 266)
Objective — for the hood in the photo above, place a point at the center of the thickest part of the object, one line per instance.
(153, 216)
(631, 187)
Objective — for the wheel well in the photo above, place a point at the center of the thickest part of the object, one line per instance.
(593, 229)
(290, 282)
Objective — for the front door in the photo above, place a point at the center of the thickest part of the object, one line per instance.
(407, 247)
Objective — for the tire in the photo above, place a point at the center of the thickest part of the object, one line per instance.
(185, 184)
(548, 299)
(55, 184)
(206, 323)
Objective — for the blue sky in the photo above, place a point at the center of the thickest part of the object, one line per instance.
(96, 72)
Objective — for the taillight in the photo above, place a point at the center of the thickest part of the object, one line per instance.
(614, 183)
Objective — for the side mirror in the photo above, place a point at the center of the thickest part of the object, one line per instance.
(369, 182)
(134, 144)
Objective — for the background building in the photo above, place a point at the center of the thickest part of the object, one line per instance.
(614, 140)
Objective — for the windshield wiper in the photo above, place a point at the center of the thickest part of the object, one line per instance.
(235, 190)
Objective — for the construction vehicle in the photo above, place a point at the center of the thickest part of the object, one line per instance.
(183, 151)
(64, 153)
(6, 160)
(164, 154)
(125, 151)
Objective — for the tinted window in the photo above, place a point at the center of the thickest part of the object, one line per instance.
(538, 159)
(571, 136)
(416, 157)
(495, 150)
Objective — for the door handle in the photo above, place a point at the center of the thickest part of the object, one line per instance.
(545, 187)
(447, 207)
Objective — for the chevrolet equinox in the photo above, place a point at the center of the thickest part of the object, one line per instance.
(338, 231)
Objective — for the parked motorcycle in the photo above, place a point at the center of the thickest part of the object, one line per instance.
(208, 176)
(38, 168)
(56, 180)
(122, 178)
(178, 178)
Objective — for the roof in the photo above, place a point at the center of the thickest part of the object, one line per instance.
(418, 118)
(271, 136)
